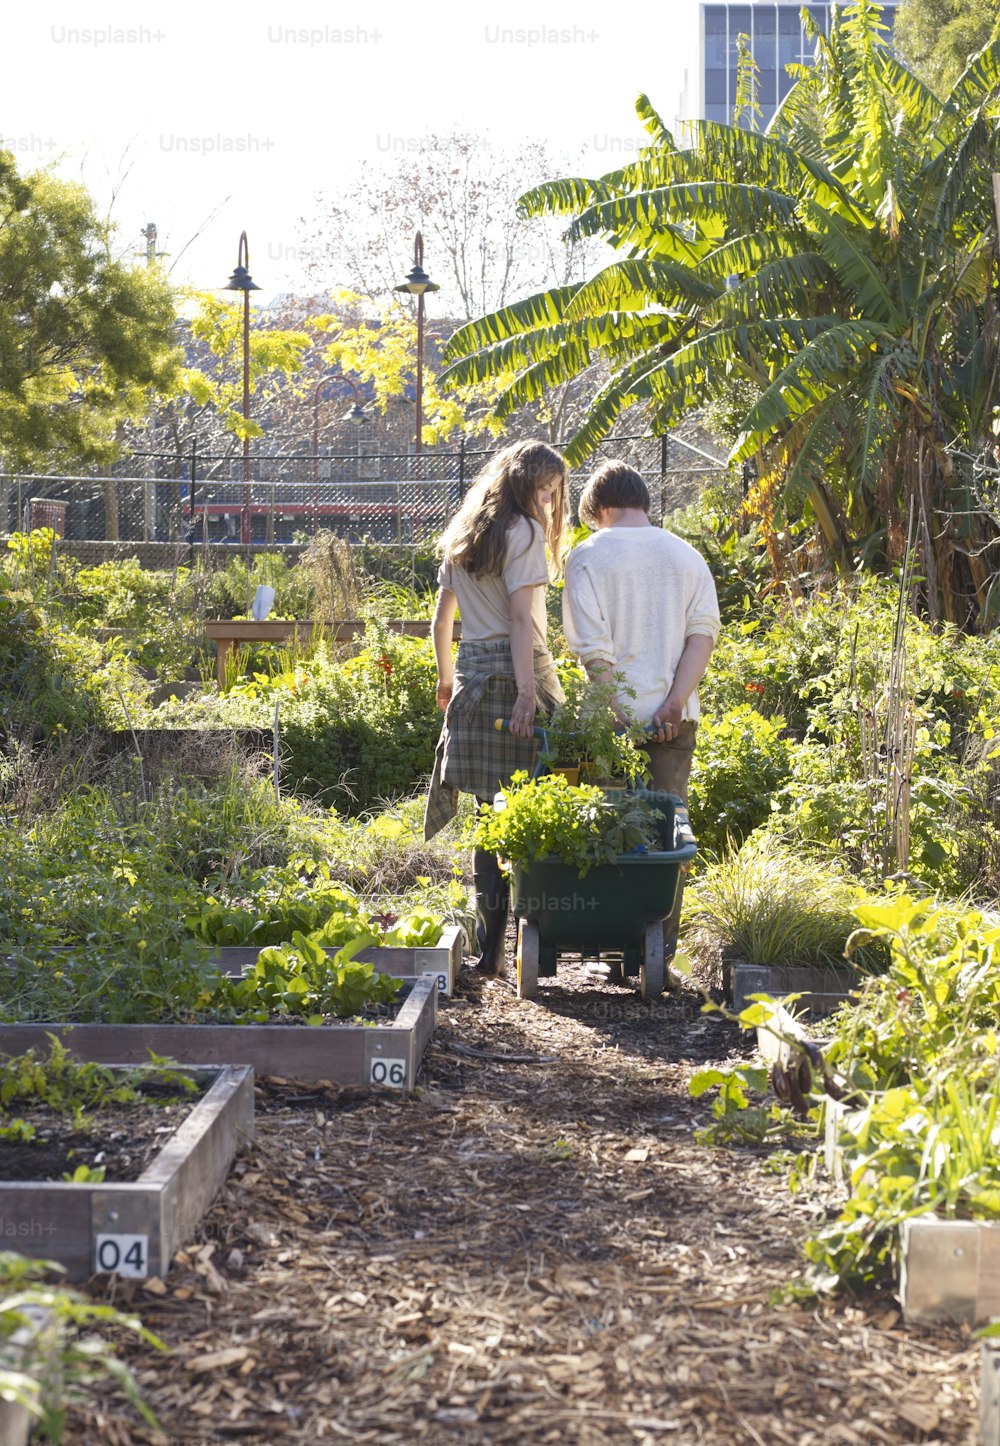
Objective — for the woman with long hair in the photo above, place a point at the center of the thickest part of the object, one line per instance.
(494, 570)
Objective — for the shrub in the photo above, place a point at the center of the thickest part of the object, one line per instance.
(52, 680)
(352, 732)
(740, 762)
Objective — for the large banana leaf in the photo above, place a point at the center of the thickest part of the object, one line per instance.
(637, 285)
(821, 368)
(744, 207)
(544, 309)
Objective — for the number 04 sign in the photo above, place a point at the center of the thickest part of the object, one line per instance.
(122, 1255)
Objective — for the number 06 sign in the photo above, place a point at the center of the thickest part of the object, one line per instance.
(388, 1072)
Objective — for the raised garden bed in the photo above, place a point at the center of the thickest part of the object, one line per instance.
(132, 1228)
(440, 963)
(950, 1270)
(989, 1393)
(357, 1054)
(224, 633)
(822, 990)
(17, 1353)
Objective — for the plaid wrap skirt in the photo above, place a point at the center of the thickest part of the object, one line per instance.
(471, 755)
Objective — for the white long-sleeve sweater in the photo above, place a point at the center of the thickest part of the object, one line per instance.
(632, 598)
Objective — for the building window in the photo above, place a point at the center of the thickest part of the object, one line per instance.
(789, 37)
(715, 36)
(739, 24)
(715, 88)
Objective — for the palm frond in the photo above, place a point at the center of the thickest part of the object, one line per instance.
(563, 198)
(627, 285)
(626, 387)
(653, 123)
(743, 207)
(880, 411)
(546, 308)
(856, 270)
(778, 288)
(806, 450)
(817, 371)
(590, 335)
(978, 82)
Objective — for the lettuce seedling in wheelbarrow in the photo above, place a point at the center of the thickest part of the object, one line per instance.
(550, 818)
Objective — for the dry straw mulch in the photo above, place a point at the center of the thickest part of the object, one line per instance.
(534, 1250)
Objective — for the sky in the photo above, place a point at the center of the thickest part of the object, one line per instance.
(211, 120)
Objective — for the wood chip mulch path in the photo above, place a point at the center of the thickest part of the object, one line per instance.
(533, 1250)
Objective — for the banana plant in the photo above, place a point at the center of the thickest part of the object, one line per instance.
(842, 262)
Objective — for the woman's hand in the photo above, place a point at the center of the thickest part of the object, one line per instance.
(522, 715)
(444, 692)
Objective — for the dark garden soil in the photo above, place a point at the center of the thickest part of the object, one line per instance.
(123, 1139)
(533, 1250)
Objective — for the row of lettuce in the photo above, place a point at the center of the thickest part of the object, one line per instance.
(115, 901)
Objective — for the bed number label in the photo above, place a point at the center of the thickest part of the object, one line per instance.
(441, 976)
(122, 1255)
(389, 1072)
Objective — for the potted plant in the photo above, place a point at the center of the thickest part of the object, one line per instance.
(587, 739)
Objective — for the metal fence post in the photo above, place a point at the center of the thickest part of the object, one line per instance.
(192, 524)
(663, 473)
(461, 470)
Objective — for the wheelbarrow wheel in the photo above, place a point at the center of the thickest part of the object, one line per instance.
(528, 951)
(653, 971)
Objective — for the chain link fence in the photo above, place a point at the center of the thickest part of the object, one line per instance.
(362, 497)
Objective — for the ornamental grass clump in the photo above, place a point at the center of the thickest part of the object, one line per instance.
(766, 903)
(551, 818)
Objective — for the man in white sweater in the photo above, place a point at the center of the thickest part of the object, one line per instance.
(641, 603)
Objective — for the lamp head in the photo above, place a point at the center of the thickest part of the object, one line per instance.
(241, 280)
(417, 282)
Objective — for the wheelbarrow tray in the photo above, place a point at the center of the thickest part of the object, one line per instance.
(609, 908)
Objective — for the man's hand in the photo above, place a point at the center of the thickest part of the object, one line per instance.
(667, 721)
(444, 692)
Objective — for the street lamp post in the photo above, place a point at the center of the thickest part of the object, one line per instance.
(416, 283)
(241, 280)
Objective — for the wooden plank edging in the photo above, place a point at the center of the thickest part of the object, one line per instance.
(342, 1054)
(950, 1270)
(443, 960)
(134, 1227)
(823, 990)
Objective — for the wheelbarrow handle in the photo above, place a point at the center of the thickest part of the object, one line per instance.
(502, 725)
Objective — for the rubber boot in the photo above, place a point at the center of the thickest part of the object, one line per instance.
(492, 910)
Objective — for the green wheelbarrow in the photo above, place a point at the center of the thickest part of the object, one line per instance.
(616, 908)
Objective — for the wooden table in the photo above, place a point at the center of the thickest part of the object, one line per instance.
(225, 633)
